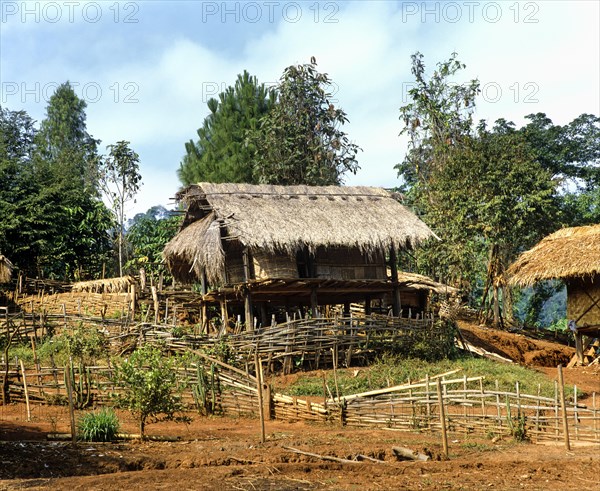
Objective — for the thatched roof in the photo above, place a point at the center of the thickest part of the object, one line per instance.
(568, 253)
(6, 268)
(107, 285)
(285, 219)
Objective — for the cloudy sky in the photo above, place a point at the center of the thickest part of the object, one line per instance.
(147, 68)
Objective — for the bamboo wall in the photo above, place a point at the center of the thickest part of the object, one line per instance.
(274, 266)
(349, 264)
(581, 296)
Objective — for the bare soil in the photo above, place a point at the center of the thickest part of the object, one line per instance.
(215, 453)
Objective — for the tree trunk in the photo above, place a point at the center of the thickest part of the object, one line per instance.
(496, 308)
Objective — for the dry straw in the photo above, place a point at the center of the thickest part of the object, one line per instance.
(283, 220)
(567, 253)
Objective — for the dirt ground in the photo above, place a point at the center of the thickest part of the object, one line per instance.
(217, 453)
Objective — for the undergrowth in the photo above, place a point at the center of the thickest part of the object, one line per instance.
(388, 371)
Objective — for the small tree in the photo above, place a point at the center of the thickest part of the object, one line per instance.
(120, 180)
(150, 384)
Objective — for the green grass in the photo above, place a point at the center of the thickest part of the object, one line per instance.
(393, 370)
(101, 426)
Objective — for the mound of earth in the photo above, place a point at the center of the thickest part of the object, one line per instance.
(520, 348)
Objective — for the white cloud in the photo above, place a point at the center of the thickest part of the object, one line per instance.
(172, 69)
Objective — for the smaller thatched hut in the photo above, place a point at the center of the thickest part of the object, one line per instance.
(6, 269)
(572, 255)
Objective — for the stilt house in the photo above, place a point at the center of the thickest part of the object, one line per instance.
(263, 246)
(572, 255)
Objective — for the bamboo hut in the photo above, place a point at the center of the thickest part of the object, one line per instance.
(572, 255)
(291, 245)
(6, 269)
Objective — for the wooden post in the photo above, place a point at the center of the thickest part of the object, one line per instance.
(396, 305)
(442, 417)
(314, 302)
(26, 391)
(70, 399)
(259, 391)
(563, 406)
(132, 293)
(264, 316)
(224, 315)
(579, 347)
(155, 299)
(368, 305)
(248, 317)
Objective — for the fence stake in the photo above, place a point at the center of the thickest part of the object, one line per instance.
(70, 399)
(259, 384)
(26, 391)
(561, 388)
(442, 417)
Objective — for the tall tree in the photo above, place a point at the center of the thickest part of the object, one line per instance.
(486, 193)
(70, 220)
(221, 153)
(120, 181)
(300, 141)
(17, 186)
(438, 117)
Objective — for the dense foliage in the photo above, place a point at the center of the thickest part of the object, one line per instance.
(221, 154)
(300, 140)
(54, 223)
(490, 193)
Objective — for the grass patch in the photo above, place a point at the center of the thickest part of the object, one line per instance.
(101, 426)
(394, 370)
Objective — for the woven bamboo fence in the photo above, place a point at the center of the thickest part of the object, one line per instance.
(470, 409)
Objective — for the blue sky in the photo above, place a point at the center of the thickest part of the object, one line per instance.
(147, 68)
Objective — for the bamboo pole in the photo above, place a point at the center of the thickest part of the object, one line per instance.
(442, 417)
(261, 414)
(70, 399)
(26, 391)
(561, 388)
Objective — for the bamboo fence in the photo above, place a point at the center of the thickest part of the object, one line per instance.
(470, 409)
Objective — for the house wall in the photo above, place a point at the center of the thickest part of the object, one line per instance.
(268, 265)
(338, 264)
(581, 294)
(349, 264)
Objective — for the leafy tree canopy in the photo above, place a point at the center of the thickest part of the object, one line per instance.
(300, 140)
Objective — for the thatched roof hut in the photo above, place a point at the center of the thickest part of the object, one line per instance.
(6, 269)
(282, 220)
(572, 255)
(567, 254)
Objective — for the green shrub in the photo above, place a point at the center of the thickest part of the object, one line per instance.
(101, 426)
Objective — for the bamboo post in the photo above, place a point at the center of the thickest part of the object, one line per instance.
(561, 388)
(261, 414)
(498, 412)
(575, 413)
(442, 417)
(155, 299)
(26, 391)
(70, 399)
